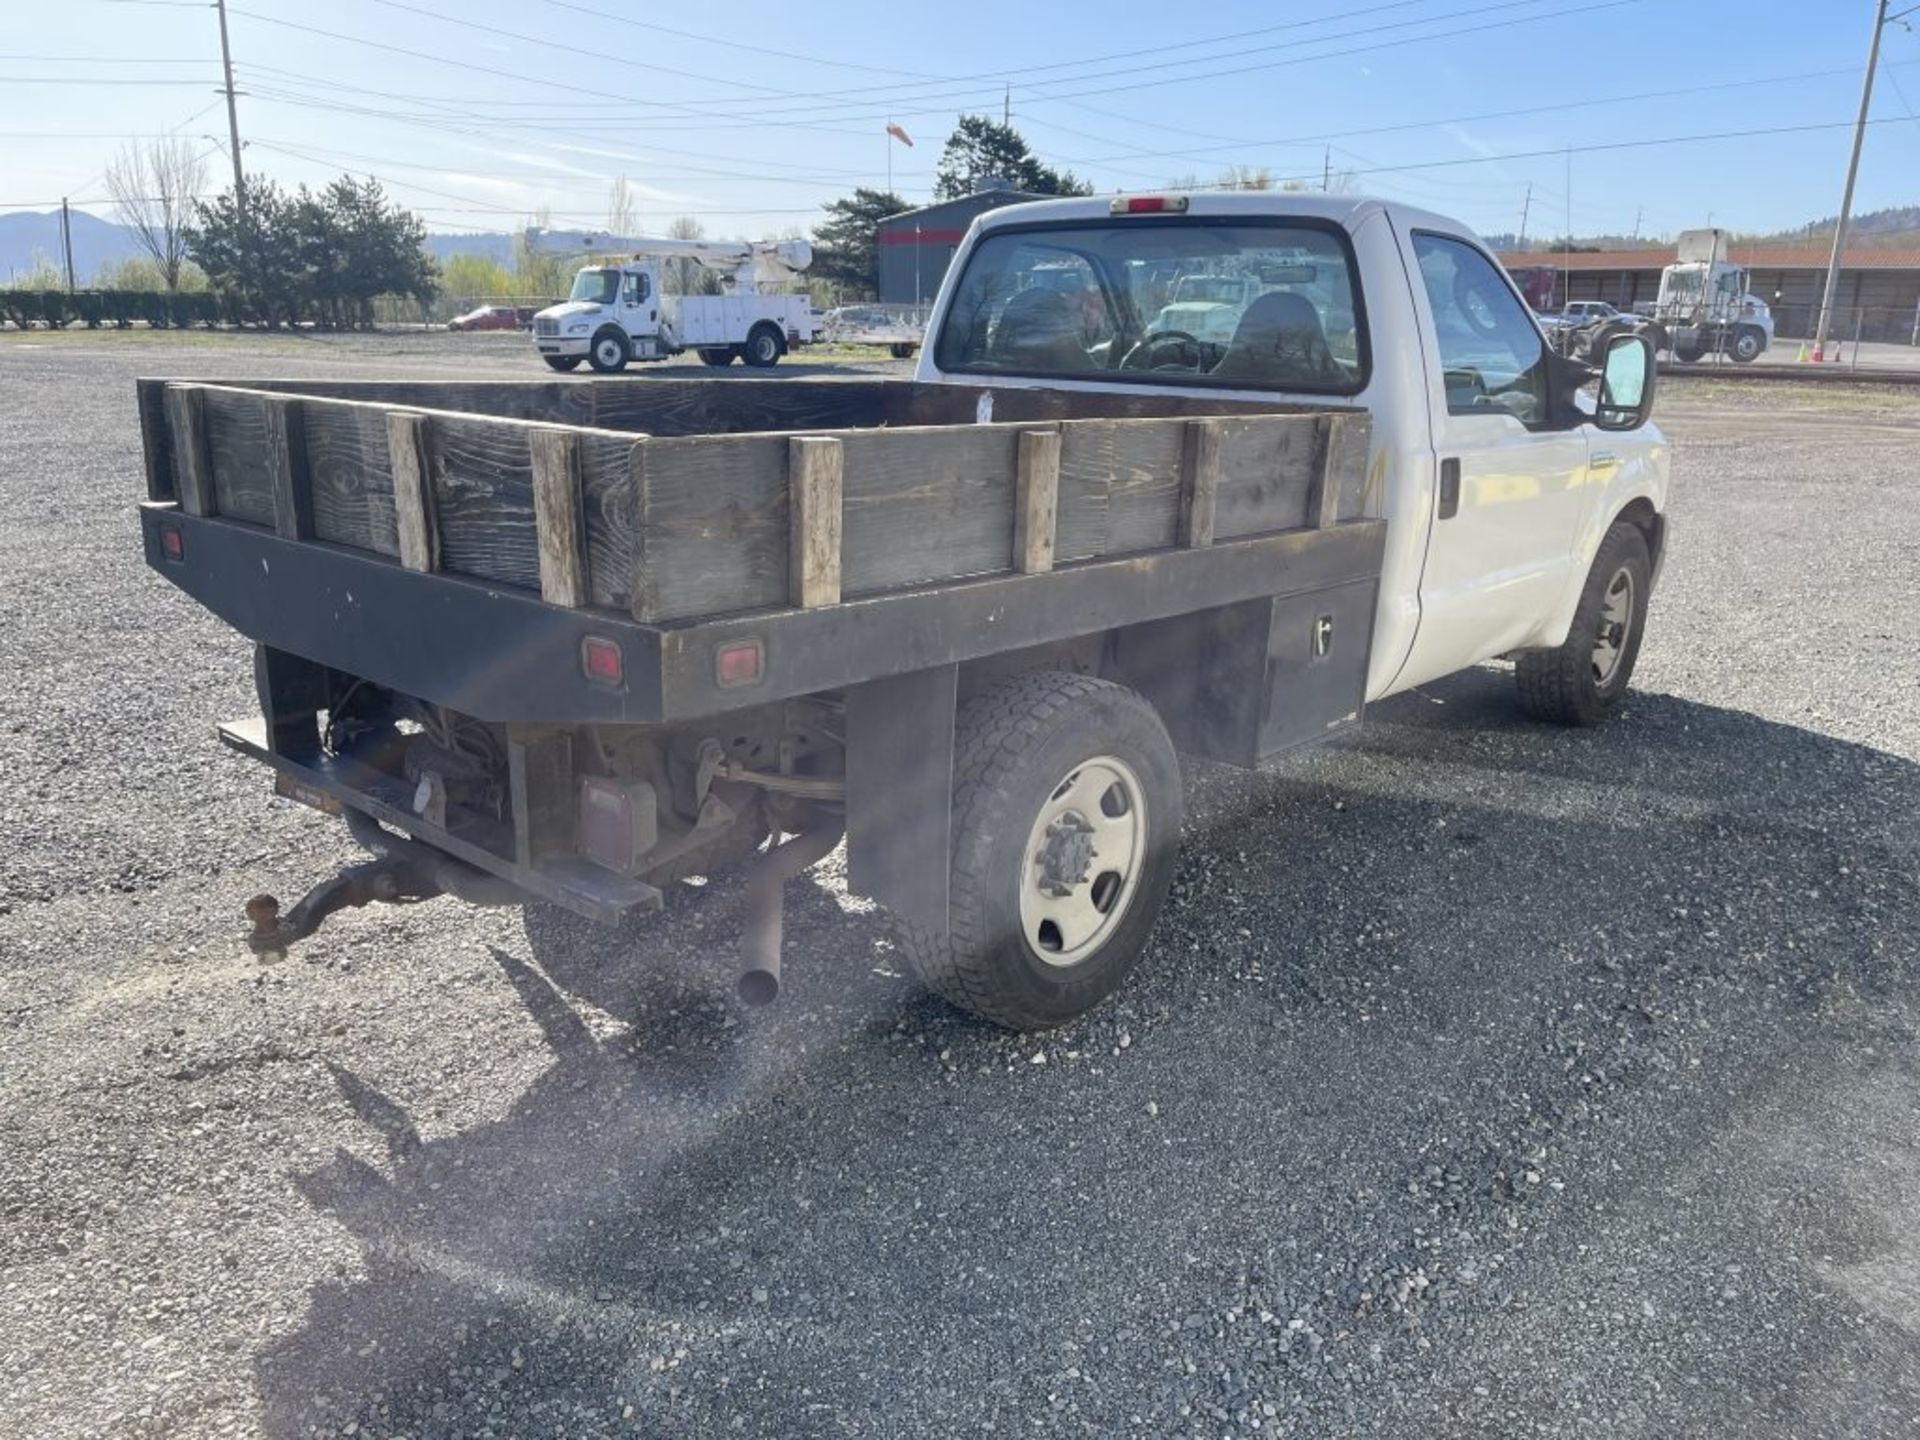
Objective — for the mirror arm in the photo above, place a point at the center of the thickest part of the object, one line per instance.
(1564, 377)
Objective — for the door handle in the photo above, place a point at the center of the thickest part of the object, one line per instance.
(1449, 489)
(1602, 460)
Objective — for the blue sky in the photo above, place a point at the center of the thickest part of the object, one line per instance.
(750, 115)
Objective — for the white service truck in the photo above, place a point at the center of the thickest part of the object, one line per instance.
(620, 310)
(1704, 307)
(969, 621)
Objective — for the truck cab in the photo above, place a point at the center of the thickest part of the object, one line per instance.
(1499, 469)
(610, 316)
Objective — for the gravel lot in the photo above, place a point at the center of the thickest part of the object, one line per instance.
(1484, 1080)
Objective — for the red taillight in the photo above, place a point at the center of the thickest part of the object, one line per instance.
(737, 663)
(1148, 205)
(172, 543)
(600, 660)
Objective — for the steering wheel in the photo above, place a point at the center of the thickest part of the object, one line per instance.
(1143, 356)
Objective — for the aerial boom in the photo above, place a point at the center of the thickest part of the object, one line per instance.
(740, 264)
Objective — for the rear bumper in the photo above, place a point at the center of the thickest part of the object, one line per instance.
(480, 841)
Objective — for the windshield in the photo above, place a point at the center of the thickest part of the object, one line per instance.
(1100, 300)
(599, 286)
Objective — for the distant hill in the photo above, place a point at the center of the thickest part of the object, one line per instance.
(97, 242)
(1896, 227)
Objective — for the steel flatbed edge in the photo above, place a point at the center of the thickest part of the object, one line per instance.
(501, 654)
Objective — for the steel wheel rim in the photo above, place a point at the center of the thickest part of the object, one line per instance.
(1615, 628)
(1081, 865)
(763, 348)
(609, 350)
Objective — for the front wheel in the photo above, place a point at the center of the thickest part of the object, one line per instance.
(608, 352)
(562, 362)
(1582, 682)
(1066, 822)
(1747, 345)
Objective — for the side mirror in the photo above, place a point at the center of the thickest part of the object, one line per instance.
(1626, 384)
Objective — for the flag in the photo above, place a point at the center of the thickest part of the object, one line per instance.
(899, 134)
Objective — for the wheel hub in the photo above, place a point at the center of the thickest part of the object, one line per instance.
(1083, 860)
(1067, 855)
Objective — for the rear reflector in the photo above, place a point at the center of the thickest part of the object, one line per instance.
(1149, 205)
(172, 543)
(600, 660)
(737, 663)
(615, 824)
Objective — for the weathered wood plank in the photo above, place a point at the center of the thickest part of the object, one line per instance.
(814, 509)
(709, 525)
(1037, 503)
(1199, 482)
(351, 477)
(236, 422)
(287, 474)
(1119, 486)
(927, 504)
(151, 396)
(1267, 468)
(1349, 445)
(192, 475)
(482, 493)
(561, 536)
(606, 512)
(407, 444)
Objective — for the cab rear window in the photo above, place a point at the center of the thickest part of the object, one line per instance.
(1267, 305)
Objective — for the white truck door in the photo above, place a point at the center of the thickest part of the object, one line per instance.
(1508, 492)
(639, 303)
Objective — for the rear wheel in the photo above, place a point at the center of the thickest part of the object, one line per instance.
(902, 352)
(763, 347)
(562, 362)
(1066, 822)
(608, 352)
(1582, 681)
(716, 355)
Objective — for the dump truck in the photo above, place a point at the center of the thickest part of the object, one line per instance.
(573, 642)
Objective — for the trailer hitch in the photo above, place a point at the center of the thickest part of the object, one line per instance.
(404, 872)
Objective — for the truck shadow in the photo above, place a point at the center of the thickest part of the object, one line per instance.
(859, 1210)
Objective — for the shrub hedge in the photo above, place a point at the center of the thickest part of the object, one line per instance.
(160, 309)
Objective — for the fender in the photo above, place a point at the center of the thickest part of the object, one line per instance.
(1636, 487)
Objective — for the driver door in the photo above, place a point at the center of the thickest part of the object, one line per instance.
(1508, 490)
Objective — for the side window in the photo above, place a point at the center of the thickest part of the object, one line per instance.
(638, 289)
(1493, 357)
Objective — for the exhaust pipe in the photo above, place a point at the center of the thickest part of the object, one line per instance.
(759, 982)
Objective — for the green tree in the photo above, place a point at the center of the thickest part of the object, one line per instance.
(846, 250)
(475, 277)
(981, 149)
(137, 272)
(323, 257)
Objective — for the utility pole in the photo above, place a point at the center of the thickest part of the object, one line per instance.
(1880, 19)
(1525, 206)
(1006, 107)
(233, 115)
(1638, 215)
(66, 240)
(1326, 171)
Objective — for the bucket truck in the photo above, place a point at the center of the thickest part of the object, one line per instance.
(618, 309)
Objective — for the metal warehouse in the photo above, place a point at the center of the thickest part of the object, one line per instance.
(916, 246)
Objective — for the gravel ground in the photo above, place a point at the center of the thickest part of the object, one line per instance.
(1484, 1079)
